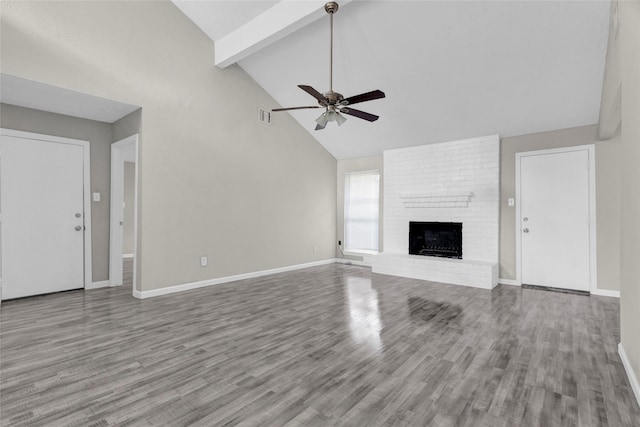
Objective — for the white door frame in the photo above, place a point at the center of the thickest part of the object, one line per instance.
(117, 198)
(593, 259)
(88, 277)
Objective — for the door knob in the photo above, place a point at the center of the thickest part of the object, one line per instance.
(78, 215)
(78, 228)
(525, 219)
(525, 230)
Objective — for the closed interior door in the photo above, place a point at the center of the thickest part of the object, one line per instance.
(42, 216)
(554, 223)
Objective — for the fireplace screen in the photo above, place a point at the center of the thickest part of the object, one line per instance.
(441, 239)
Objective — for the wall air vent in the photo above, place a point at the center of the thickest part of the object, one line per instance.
(264, 116)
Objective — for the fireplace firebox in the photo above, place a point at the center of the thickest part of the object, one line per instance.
(439, 239)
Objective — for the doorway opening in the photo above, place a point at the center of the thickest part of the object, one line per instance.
(123, 242)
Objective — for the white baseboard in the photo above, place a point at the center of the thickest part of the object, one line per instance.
(195, 285)
(606, 293)
(352, 262)
(127, 255)
(633, 379)
(509, 282)
(97, 285)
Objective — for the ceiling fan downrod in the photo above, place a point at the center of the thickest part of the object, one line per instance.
(331, 8)
(334, 103)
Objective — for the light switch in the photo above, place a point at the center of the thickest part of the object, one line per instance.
(512, 201)
(96, 197)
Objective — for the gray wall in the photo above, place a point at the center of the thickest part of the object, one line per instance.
(629, 53)
(129, 207)
(213, 181)
(359, 164)
(127, 126)
(607, 197)
(99, 136)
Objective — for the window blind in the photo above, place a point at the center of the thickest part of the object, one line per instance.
(361, 211)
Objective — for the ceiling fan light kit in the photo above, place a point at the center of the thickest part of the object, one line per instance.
(333, 102)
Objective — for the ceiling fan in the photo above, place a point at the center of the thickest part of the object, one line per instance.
(333, 102)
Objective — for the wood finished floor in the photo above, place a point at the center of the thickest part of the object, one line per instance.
(127, 272)
(329, 345)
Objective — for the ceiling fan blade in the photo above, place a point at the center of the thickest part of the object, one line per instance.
(369, 96)
(359, 114)
(295, 108)
(311, 91)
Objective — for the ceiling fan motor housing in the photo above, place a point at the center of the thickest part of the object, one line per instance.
(333, 97)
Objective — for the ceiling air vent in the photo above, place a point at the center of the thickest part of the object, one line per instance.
(264, 116)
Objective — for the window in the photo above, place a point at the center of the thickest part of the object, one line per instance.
(361, 211)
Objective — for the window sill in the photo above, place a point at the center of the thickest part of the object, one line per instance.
(359, 252)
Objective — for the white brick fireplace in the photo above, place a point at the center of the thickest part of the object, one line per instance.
(456, 181)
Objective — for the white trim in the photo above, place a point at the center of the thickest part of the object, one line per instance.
(353, 262)
(86, 145)
(606, 293)
(97, 285)
(509, 282)
(593, 253)
(136, 219)
(40, 136)
(115, 215)
(633, 378)
(195, 285)
(115, 239)
(359, 252)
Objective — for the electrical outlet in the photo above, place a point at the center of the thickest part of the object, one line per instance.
(511, 201)
(203, 261)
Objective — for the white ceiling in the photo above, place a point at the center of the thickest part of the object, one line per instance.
(44, 97)
(450, 70)
(218, 18)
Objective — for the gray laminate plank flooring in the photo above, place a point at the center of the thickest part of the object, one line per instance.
(127, 272)
(329, 345)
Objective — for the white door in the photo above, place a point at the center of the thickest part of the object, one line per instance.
(41, 197)
(554, 219)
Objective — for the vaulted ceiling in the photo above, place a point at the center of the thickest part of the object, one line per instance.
(450, 69)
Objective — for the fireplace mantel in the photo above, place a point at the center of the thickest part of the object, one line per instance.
(437, 200)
